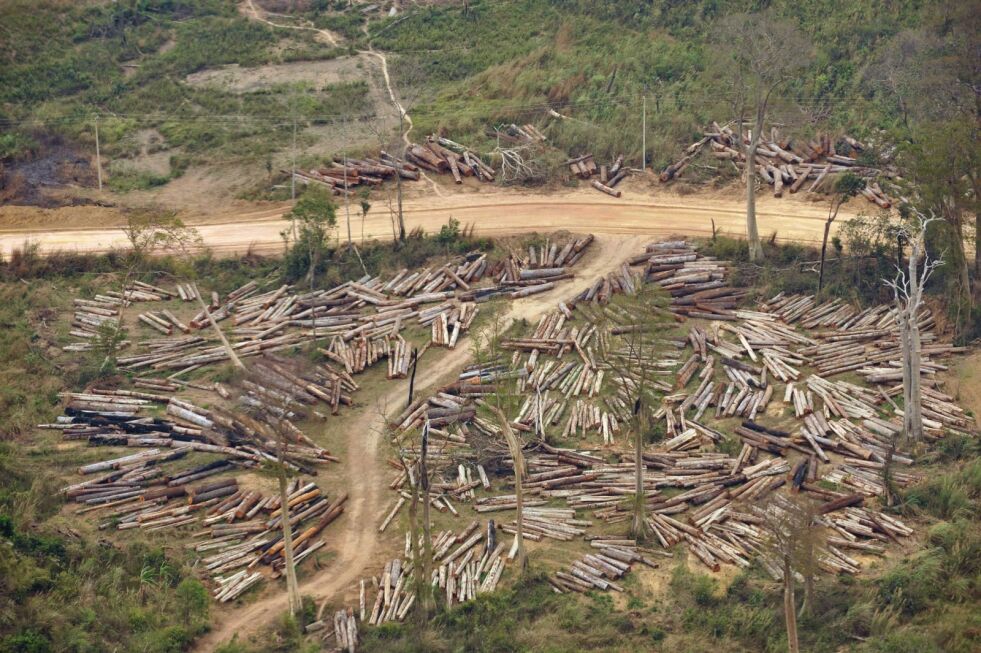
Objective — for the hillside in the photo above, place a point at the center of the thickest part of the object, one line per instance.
(211, 91)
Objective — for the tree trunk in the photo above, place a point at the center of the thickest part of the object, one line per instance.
(906, 342)
(789, 611)
(221, 335)
(519, 469)
(824, 250)
(752, 231)
(916, 409)
(426, 600)
(977, 245)
(347, 206)
(421, 582)
(292, 589)
(398, 178)
(639, 528)
(519, 505)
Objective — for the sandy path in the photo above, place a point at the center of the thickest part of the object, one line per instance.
(255, 13)
(492, 212)
(355, 540)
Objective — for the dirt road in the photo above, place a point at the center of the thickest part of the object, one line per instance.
(354, 540)
(492, 212)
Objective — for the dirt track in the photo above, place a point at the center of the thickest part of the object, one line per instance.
(492, 212)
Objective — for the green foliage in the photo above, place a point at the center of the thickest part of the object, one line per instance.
(949, 496)
(449, 233)
(488, 63)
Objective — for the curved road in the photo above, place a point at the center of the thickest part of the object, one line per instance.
(492, 212)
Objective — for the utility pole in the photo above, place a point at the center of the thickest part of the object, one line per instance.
(643, 132)
(98, 155)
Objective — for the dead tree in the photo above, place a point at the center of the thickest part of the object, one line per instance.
(907, 290)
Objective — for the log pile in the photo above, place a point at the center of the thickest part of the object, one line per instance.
(607, 177)
(765, 379)
(789, 164)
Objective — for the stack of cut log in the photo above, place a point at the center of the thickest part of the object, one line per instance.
(789, 163)
(345, 174)
(91, 317)
(610, 561)
(740, 367)
(697, 284)
(610, 176)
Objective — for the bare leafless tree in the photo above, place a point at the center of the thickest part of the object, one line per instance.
(907, 289)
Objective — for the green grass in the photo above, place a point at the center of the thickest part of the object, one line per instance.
(127, 65)
(507, 61)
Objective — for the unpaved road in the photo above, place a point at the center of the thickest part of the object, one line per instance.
(492, 213)
(354, 539)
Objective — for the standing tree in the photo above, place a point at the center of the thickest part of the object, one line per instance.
(792, 541)
(313, 217)
(908, 295)
(847, 187)
(487, 351)
(628, 354)
(426, 600)
(274, 412)
(933, 78)
(761, 53)
(520, 471)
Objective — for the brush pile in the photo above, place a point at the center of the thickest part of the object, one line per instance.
(441, 155)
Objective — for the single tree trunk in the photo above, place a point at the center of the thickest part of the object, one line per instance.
(519, 469)
(639, 528)
(292, 589)
(422, 583)
(824, 250)
(977, 245)
(426, 600)
(412, 375)
(789, 611)
(221, 335)
(398, 178)
(916, 394)
(906, 342)
(520, 505)
(752, 230)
